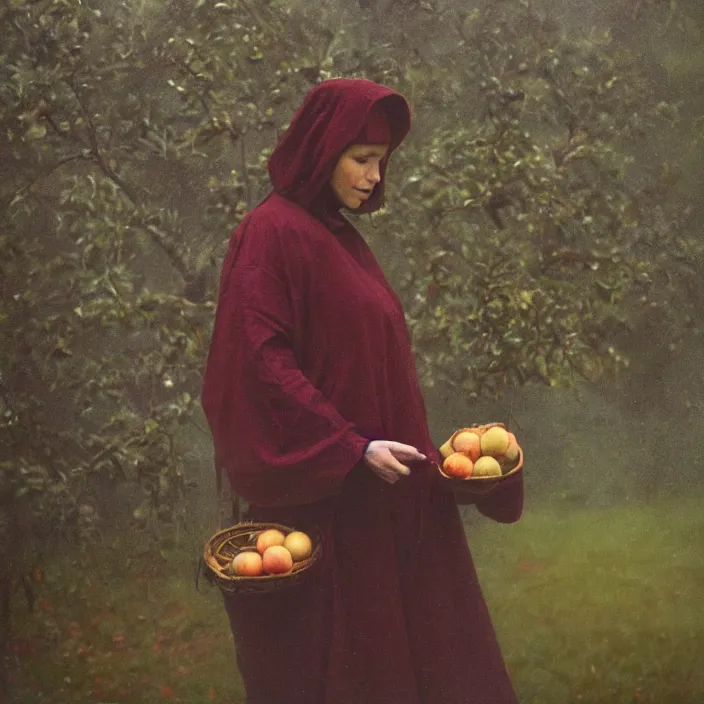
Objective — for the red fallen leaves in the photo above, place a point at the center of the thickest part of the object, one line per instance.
(640, 695)
(74, 629)
(529, 567)
(20, 646)
(160, 640)
(97, 687)
(174, 609)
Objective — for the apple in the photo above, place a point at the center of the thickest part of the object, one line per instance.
(247, 563)
(458, 465)
(468, 443)
(495, 441)
(487, 466)
(277, 560)
(269, 537)
(299, 545)
(512, 451)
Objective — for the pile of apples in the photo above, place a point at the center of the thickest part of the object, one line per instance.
(481, 453)
(275, 553)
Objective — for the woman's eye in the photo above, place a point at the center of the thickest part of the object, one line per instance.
(361, 161)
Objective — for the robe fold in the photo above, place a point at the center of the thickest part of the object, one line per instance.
(310, 358)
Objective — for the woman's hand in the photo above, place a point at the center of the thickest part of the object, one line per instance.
(382, 457)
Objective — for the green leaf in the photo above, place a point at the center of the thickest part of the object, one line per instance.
(35, 132)
(142, 512)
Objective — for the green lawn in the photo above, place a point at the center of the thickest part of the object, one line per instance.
(599, 606)
(590, 607)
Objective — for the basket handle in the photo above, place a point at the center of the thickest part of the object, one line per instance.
(200, 562)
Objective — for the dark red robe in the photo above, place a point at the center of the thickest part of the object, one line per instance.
(310, 358)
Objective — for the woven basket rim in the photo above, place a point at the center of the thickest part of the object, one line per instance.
(477, 480)
(495, 478)
(228, 581)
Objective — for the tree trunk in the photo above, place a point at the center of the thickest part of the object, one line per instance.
(5, 596)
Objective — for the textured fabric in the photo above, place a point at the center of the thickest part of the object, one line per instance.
(377, 129)
(310, 359)
(331, 118)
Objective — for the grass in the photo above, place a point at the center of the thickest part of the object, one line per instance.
(599, 606)
(114, 629)
(590, 607)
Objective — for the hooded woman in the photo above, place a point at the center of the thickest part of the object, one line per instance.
(318, 421)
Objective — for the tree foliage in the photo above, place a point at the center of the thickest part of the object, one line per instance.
(528, 239)
(536, 238)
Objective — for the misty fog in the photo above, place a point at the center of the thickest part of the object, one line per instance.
(122, 176)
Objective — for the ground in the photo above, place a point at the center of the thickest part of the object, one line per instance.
(589, 606)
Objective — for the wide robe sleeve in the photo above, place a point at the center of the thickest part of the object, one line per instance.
(503, 504)
(281, 442)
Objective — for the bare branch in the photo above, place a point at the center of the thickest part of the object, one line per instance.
(160, 238)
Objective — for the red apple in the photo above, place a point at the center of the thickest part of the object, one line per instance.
(277, 560)
(458, 465)
(269, 537)
(468, 443)
(247, 563)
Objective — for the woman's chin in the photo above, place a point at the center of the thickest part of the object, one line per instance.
(352, 207)
(359, 206)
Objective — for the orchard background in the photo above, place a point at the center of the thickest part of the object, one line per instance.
(541, 225)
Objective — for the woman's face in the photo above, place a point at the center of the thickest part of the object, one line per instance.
(357, 172)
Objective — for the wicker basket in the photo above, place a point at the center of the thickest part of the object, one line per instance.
(477, 485)
(225, 544)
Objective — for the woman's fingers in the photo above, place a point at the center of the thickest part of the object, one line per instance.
(397, 467)
(399, 450)
(383, 462)
(394, 472)
(390, 477)
(384, 458)
(405, 452)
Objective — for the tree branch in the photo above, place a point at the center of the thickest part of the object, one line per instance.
(28, 187)
(158, 237)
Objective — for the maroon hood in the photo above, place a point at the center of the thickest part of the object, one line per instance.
(331, 117)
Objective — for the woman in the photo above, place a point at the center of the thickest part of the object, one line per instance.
(318, 420)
